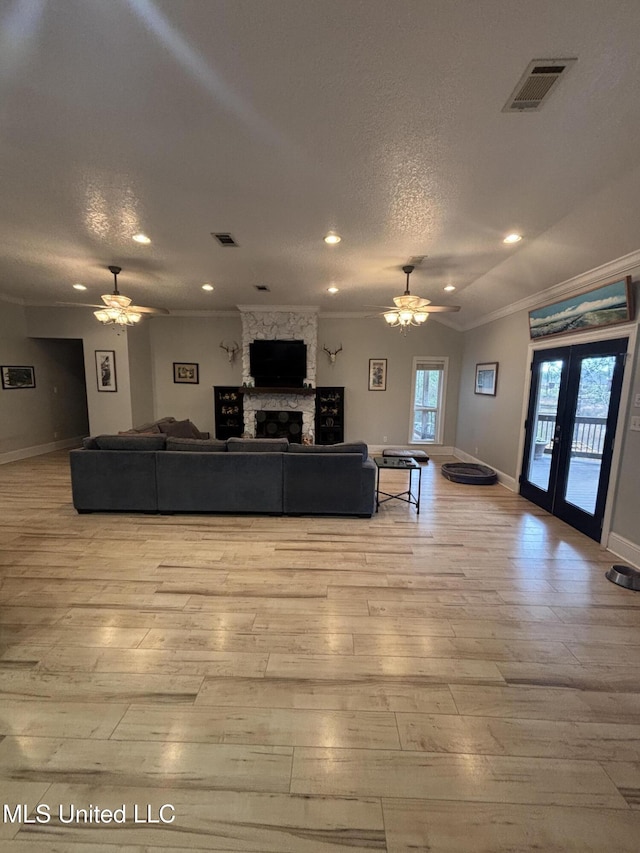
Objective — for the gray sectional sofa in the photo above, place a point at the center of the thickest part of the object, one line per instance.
(159, 473)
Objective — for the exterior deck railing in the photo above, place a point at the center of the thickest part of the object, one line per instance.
(588, 435)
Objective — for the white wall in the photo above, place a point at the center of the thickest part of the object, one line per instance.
(489, 427)
(374, 415)
(54, 410)
(369, 415)
(627, 498)
(108, 411)
(141, 373)
(193, 339)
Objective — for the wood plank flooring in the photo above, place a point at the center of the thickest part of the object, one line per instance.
(462, 681)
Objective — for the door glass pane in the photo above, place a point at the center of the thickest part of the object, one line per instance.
(544, 423)
(588, 431)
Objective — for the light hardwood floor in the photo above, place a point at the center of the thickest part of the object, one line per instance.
(463, 681)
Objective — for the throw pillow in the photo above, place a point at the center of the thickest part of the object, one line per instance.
(152, 430)
(151, 425)
(179, 429)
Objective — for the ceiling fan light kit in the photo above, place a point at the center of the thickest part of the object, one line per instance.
(411, 310)
(117, 311)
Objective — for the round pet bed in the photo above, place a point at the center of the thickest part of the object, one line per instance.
(469, 473)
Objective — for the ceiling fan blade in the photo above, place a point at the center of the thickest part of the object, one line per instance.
(142, 310)
(80, 304)
(430, 309)
(139, 308)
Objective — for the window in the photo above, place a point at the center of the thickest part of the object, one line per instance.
(428, 396)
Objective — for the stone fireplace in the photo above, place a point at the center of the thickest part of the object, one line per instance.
(284, 323)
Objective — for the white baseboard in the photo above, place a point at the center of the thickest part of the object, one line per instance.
(621, 547)
(39, 449)
(504, 479)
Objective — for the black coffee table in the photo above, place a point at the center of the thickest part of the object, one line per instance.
(392, 463)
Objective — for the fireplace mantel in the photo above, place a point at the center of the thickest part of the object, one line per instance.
(298, 392)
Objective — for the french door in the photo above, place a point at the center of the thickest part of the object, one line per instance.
(570, 428)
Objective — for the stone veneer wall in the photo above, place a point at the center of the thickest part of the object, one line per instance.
(300, 324)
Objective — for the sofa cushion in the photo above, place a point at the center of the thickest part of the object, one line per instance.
(328, 484)
(219, 482)
(112, 481)
(198, 445)
(345, 447)
(89, 443)
(130, 442)
(257, 445)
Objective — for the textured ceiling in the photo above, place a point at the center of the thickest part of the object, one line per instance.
(278, 120)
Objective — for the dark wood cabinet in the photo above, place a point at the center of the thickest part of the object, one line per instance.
(228, 410)
(329, 415)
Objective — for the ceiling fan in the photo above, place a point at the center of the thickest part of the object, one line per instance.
(117, 309)
(409, 310)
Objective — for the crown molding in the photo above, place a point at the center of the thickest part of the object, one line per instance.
(570, 287)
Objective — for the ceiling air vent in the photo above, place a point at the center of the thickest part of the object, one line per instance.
(224, 239)
(536, 84)
(263, 288)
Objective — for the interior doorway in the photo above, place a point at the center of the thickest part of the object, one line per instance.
(570, 429)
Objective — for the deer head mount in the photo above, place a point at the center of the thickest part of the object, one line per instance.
(230, 348)
(332, 353)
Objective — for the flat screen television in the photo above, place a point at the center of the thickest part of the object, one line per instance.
(278, 364)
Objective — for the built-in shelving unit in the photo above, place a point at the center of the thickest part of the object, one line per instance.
(228, 409)
(329, 415)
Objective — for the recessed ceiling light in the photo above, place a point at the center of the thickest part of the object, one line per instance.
(449, 287)
(332, 238)
(79, 287)
(333, 289)
(141, 238)
(512, 238)
(207, 287)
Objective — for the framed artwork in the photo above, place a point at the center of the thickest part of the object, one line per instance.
(106, 370)
(486, 378)
(17, 377)
(606, 305)
(185, 372)
(377, 374)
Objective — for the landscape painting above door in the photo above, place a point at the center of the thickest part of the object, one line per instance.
(603, 306)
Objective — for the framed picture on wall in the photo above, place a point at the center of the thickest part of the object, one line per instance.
(606, 305)
(106, 370)
(377, 374)
(185, 372)
(486, 378)
(17, 377)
